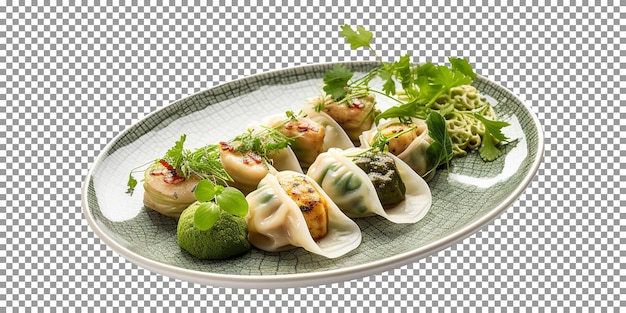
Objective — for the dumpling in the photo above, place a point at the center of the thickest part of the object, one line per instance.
(166, 192)
(247, 169)
(290, 210)
(364, 183)
(410, 147)
(169, 182)
(355, 115)
(312, 135)
(247, 158)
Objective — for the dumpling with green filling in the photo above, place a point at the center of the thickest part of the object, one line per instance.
(410, 147)
(365, 183)
(289, 209)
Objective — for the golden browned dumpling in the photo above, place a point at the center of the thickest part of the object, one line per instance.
(310, 202)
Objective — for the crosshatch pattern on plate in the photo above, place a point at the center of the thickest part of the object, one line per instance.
(73, 77)
(153, 236)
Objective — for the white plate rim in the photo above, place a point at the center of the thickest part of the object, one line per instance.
(280, 281)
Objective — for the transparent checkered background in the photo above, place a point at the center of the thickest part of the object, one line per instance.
(73, 76)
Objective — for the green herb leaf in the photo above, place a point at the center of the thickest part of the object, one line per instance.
(441, 148)
(448, 78)
(410, 109)
(205, 163)
(232, 201)
(462, 66)
(336, 81)
(132, 183)
(423, 72)
(436, 80)
(400, 70)
(175, 155)
(204, 191)
(403, 71)
(357, 40)
(488, 150)
(291, 115)
(206, 215)
(493, 129)
(389, 87)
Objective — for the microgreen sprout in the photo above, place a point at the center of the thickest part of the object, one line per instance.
(215, 199)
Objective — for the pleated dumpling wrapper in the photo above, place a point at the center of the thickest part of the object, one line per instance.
(410, 147)
(312, 135)
(353, 190)
(290, 210)
(247, 169)
(355, 114)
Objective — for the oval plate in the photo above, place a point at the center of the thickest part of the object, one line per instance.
(465, 198)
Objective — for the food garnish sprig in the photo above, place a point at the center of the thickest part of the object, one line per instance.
(181, 163)
(440, 150)
(421, 86)
(258, 145)
(214, 199)
(255, 146)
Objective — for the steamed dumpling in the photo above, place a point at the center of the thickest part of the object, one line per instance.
(247, 169)
(166, 192)
(354, 191)
(410, 147)
(313, 135)
(290, 210)
(355, 115)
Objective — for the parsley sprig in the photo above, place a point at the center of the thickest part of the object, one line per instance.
(439, 151)
(423, 84)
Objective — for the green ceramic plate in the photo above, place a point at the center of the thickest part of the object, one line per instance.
(465, 199)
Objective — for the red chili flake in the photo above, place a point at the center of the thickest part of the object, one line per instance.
(255, 157)
(166, 165)
(226, 146)
(252, 158)
(171, 176)
(303, 127)
(173, 179)
(161, 172)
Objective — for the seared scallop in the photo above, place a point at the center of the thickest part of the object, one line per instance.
(166, 192)
(311, 203)
(246, 170)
